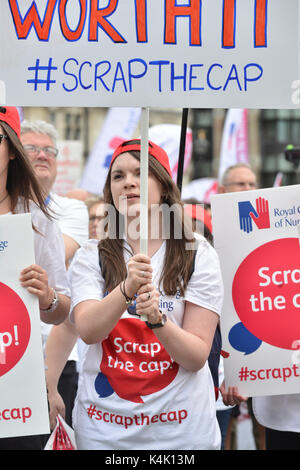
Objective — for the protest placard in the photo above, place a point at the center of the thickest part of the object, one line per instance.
(23, 408)
(257, 239)
(163, 53)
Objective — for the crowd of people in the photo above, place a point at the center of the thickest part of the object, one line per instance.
(127, 336)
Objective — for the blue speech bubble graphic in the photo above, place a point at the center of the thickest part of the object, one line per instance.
(102, 386)
(242, 340)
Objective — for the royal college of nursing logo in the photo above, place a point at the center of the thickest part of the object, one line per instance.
(259, 215)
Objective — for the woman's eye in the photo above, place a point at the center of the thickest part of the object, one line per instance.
(115, 177)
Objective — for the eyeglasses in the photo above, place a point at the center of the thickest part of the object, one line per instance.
(2, 136)
(95, 217)
(34, 150)
(241, 184)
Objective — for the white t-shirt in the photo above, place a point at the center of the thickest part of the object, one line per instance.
(49, 248)
(279, 412)
(72, 218)
(131, 394)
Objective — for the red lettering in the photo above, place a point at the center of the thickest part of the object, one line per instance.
(23, 26)
(67, 32)
(141, 21)
(193, 11)
(261, 23)
(229, 11)
(98, 18)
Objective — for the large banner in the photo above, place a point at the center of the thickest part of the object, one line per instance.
(119, 125)
(142, 53)
(234, 148)
(256, 236)
(23, 406)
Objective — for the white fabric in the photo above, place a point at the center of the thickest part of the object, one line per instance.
(49, 249)
(73, 220)
(178, 413)
(279, 412)
(72, 217)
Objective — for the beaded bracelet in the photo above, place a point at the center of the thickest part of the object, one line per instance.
(129, 301)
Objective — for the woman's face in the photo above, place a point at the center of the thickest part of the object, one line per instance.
(5, 158)
(125, 185)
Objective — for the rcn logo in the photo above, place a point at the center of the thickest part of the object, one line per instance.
(248, 214)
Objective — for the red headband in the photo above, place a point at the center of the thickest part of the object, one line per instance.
(196, 211)
(157, 152)
(10, 115)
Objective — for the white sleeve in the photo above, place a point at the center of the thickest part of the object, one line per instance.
(74, 221)
(205, 287)
(85, 278)
(50, 255)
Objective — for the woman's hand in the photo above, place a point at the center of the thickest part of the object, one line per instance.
(147, 303)
(35, 280)
(139, 274)
(231, 396)
(56, 406)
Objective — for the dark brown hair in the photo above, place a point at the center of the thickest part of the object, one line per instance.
(178, 261)
(22, 185)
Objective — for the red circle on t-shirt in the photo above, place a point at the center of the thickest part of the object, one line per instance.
(15, 328)
(270, 276)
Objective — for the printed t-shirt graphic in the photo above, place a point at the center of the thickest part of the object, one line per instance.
(134, 362)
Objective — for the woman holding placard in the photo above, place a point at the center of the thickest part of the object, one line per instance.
(47, 279)
(145, 384)
(20, 192)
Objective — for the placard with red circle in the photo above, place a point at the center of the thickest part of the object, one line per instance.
(15, 328)
(270, 276)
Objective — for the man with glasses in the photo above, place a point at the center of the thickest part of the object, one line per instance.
(237, 177)
(39, 140)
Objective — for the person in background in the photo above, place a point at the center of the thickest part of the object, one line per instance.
(39, 140)
(236, 178)
(96, 209)
(20, 193)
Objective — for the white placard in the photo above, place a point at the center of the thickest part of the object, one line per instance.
(23, 408)
(257, 239)
(69, 166)
(163, 53)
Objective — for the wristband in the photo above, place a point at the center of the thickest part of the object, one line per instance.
(162, 322)
(129, 301)
(54, 304)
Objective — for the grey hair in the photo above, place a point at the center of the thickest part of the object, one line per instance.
(224, 177)
(40, 127)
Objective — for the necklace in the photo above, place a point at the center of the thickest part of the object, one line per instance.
(2, 200)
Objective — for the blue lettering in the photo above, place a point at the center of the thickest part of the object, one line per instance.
(193, 77)
(178, 77)
(121, 78)
(233, 75)
(80, 73)
(131, 75)
(208, 76)
(159, 63)
(99, 77)
(3, 245)
(71, 75)
(252, 66)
